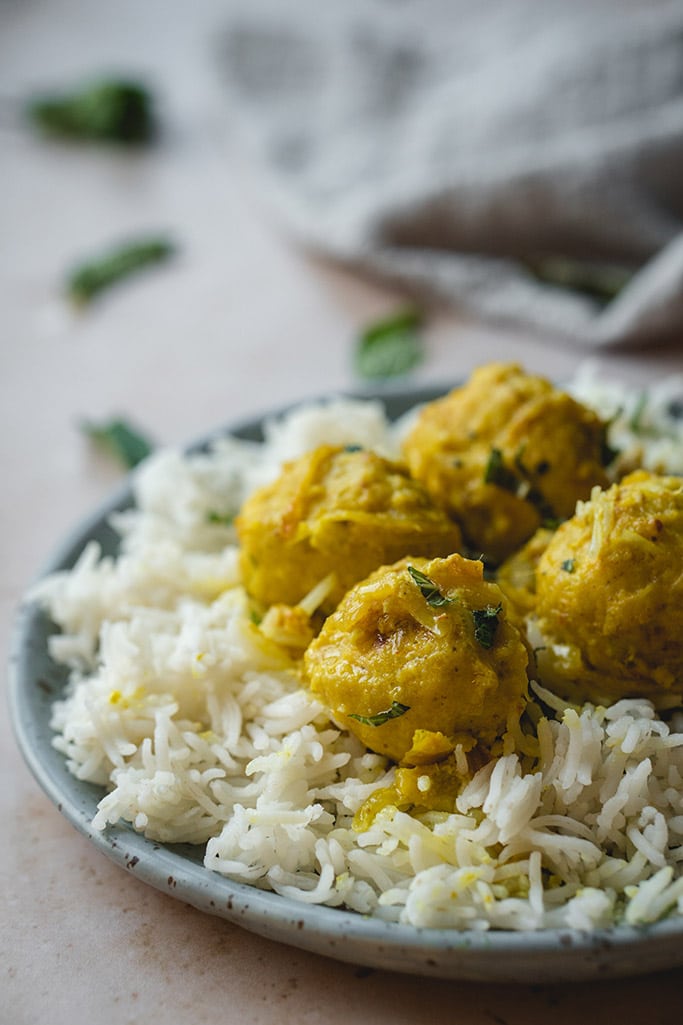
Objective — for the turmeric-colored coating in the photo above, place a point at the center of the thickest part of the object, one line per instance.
(386, 647)
(516, 577)
(505, 453)
(609, 601)
(335, 511)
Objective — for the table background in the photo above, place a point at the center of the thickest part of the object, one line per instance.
(241, 321)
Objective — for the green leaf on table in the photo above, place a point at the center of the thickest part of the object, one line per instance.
(390, 347)
(89, 279)
(110, 110)
(117, 438)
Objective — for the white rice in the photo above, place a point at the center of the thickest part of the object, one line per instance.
(199, 732)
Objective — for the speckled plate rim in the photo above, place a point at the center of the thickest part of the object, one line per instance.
(177, 870)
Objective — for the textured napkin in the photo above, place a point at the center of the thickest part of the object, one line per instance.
(478, 151)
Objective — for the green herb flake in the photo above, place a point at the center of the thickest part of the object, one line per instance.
(87, 281)
(428, 589)
(518, 483)
(390, 347)
(486, 624)
(569, 565)
(396, 710)
(120, 440)
(496, 472)
(220, 519)
(112, 110)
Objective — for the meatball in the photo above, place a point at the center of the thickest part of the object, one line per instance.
(335, 511)
(516, 577)
(609, 602)
(421, 657)
(505, 454)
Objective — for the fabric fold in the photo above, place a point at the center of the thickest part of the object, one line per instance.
(463, 150)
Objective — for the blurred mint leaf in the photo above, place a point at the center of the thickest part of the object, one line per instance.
(120, 440)
(89, 279)
(110, 110)
(390, 347)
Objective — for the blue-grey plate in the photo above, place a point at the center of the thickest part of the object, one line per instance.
(177, 870)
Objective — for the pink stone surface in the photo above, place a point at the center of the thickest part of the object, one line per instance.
(241, 321)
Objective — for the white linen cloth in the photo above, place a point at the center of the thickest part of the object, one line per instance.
(447, 144)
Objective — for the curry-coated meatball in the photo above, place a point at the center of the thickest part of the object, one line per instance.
(504, 454)
(420, 657)
(516, 577)
(335, 510)
(609, 601)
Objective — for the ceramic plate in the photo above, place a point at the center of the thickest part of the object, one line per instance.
(554, 955)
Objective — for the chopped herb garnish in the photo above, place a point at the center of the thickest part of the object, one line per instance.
(353, 448)
(569, 565)
(486, 624)
(108, 111)
(531, 493)
(120, 440)
(599, 281)
(390, 347)
(518, 483)
(497, 473)
(88, 280)
(428, 589)
(221, 519)
(380, 718)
